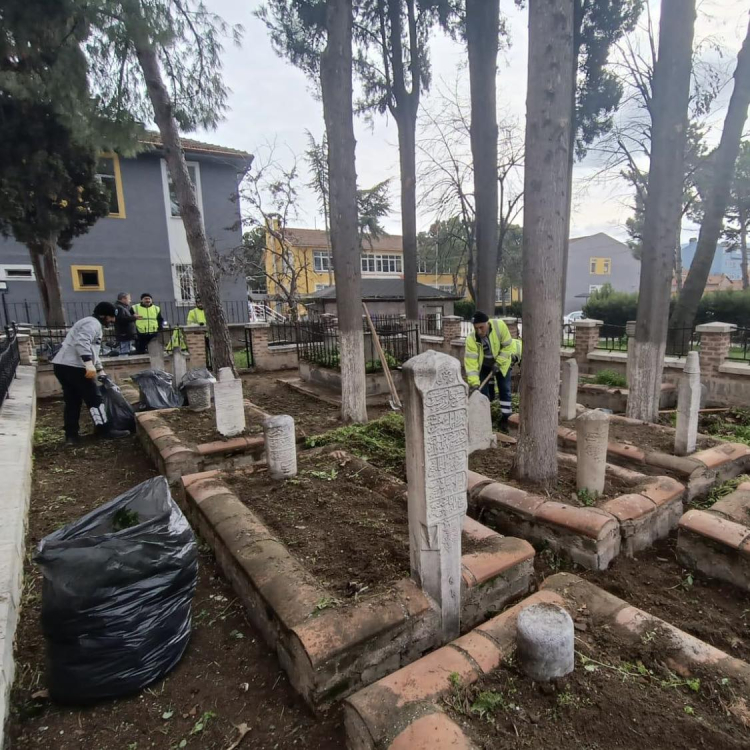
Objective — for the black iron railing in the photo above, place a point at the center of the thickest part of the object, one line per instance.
(613, 338)
(681, 341)
(739, 346)
(568, 336)
(10, 356)
(431, 325)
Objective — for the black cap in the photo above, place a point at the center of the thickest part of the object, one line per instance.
(104, 309)
(146, 294)
(480, 317)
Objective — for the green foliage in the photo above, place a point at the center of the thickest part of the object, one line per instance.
(725, 307)
(125, 519)
(608, 377)
(382, 441)
(587, 498)
(242, 359)
(465, 308)
(719, 492)
(486, 703)
(614, 308)
(332, 358)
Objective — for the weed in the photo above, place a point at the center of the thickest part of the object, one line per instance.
(455, 680)
(609, 378)
(487, 702)
(45, 437)
(65, 499)
(689, 710)
(326, 602)
(328, 476)
(720, 491)
(202, 723)
(125, 519)
(587, 498)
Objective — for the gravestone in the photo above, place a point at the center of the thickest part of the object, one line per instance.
(281, 446)
(569, 390)
(179, 367)
(481, 434)
(545, 642)
(436, 414)
(229, 404)
(592, 429)
(156, 353)
(688, 406)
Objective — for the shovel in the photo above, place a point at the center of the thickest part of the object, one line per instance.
(395, 401)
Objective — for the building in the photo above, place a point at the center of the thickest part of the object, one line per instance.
(596, 260)
(716, 282)
(386, 297)
(141, 246)
(727, 262)
(308, 253)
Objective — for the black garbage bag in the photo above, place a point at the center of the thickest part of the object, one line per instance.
(200, 376)
(116, 604)
(156, 390)
(120, 413)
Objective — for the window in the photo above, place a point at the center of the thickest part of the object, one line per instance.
(17, 273)
(318, 287)
(108, 172)
(322, 261)
(185, 283)
(174, 206)
(381, 263)
(595, 288)
(446, 288)
(600, 266)
(422, 266)
(88, 278)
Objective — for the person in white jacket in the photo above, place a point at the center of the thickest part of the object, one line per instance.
(77, 366)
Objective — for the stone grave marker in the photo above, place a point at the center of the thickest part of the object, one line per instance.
(281, 446)
(481, 434)
(436, 417)
(688, 406)
(179, 367)
(569, 390)
(229, 404)
(156, 353)
(592, 430)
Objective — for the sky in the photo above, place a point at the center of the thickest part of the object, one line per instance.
(271, 102)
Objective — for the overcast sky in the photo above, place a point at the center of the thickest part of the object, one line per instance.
(271, 101)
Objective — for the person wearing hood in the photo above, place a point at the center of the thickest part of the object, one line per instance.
(76, 366)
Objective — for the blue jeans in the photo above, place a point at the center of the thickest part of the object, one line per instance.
(503, 389)
(125, 347)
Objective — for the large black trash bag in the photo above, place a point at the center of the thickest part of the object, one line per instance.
(120, 413)
(116, 604)
(156, 390)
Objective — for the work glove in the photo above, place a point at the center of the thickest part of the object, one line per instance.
(515, 359)
(496, 369)
(90, 370)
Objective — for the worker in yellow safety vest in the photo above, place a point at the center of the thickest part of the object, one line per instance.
(148, 324)
(491, 349)
(197, 316)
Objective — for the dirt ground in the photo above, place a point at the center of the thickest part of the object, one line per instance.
(621, 695)
(197, 427)
(499, 463)
(226, 678)
(645, 437)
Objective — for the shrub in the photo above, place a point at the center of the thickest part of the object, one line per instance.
(465, 308)
(610, 378)
(614, 308)
(725, 307)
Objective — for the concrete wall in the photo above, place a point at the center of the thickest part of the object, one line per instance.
(624, 275)
(134, 251)
(17, 418)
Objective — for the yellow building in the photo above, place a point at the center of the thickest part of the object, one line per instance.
(304, 258)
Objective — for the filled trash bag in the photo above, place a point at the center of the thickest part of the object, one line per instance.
(120, 413)
(196, 378)
(118, 585)
(156, 390)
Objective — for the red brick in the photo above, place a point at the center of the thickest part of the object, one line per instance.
(481, 649)
(587, 522)
(486, 565)
(715, 527)
(629, 452)
(189, 479)
(662, 490)
(510, 498)
(629, 507)
(434, 731)
(476, 530)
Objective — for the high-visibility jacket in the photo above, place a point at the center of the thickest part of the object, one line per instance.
(196, 317)
(176, 341)
(502, 346)
(149, 322)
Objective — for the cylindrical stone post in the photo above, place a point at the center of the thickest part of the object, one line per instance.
(281, 446)
(688, 406)
(592, 430)
(568, 390)
(545, 642)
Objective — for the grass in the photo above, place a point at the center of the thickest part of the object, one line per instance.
(733, 425)
(587, 498)
(719, 492)
(242, 359)
(609, 378)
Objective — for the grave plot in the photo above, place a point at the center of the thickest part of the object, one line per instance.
(638, 681)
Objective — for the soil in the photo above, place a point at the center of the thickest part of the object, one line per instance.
(732, 425)
(499, 463)
(646, 438)
(227, 669)
(620, 695)
(311, 416)
(655, 581)
(198, 427)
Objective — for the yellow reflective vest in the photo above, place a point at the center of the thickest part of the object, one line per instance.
(503, 347)
(196, 317)
(149, 322)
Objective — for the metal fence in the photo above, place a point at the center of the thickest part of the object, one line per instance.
(431, 325)
(32, 313)
(739, 344)
(681, 341)
(568, 336)
(10, 356)
(613, 338)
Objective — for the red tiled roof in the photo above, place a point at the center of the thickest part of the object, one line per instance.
(317, 238)
(154, 139)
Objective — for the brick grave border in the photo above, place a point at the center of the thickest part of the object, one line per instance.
(402, 711)
(334, 652)
(174, 457)
(716, 541)
(701, 471)
(616, 399)
(591, 537)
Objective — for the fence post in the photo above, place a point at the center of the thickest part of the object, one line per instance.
(195, 338)
(715, 345)
(587, 338)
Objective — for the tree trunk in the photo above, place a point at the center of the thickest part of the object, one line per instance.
(743, 251)
(44, 260)
(336, 85)
(678, 267)
(482, 31)
(717, 198)
(203, 270)
(663, 209)
(549, 118)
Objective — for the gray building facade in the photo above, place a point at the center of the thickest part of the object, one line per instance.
(141, 246)
(596, 260)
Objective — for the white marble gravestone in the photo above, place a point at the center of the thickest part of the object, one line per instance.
(688, 406)
(229, 404)
(592, 431)
(481, 434)
(281, 446)
(156, 353)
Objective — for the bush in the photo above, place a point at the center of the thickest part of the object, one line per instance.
(614, 308)
(465, 308)
(725, 307)
(610, 378)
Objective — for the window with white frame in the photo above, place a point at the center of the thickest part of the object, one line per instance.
(322, 261)
(372, 263)
(174, 205)
(319, 287)
(15, 272)
(422, 266)
(184, 283)
(445, 288)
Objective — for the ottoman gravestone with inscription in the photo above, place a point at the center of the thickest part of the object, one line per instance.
(436, 416)
(281, 446)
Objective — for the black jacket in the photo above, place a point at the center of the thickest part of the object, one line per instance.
(124, 322)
